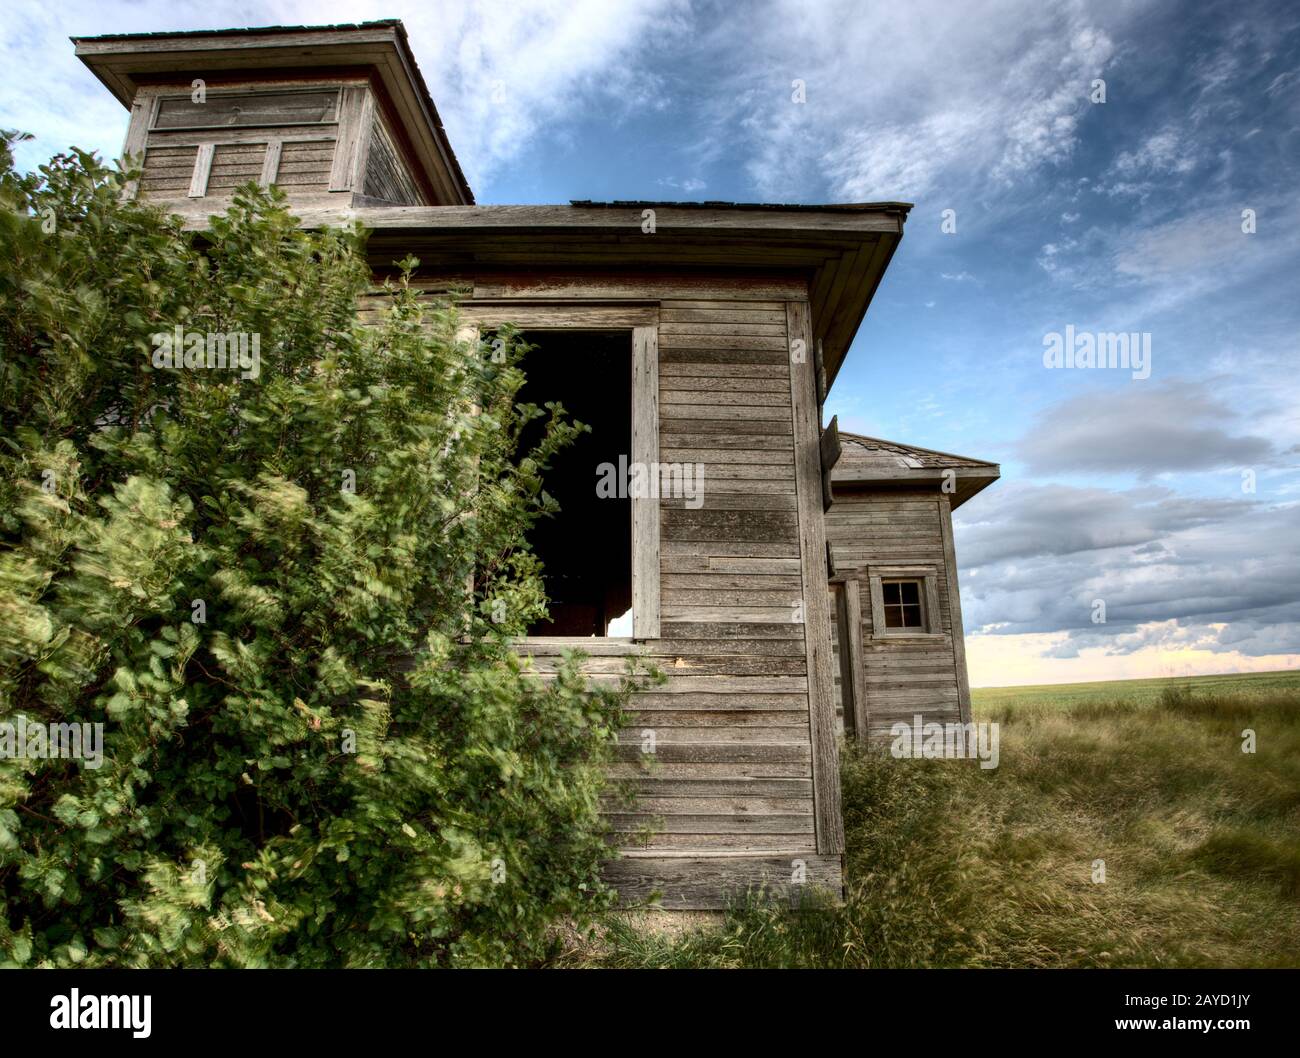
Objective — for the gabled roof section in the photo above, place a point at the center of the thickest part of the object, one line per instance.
(124, 61)
(872, 461)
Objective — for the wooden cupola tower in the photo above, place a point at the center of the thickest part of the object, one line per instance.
(337, 116)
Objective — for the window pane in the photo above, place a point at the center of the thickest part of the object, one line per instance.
(902, 599)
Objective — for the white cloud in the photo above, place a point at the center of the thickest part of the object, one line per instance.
(502, 73)
(1163, 152)
(1016, 660)
(688, 185)
(916, 98)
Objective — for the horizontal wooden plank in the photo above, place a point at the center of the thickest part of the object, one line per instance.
(747, 806)
(733, 787)
(728, 628)
(735, 328)
(748, 412)
(694, 398)
(725, 340)
(723, 701)
(758, 526)
(722, 303)
(638, 719)
(651, 768)
(738, 665)
(755, 581)
(666, 823)
(725, 564)
(717, 355)
(736, 369)
(690, 291)
(706, 844)
(718, 752)
(729, 457)
(732, 684)
(731, 597)
(701, 614)
(716, 314)
(711, 882)
(640, 734)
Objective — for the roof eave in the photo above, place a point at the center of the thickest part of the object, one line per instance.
(860, 240)
(966, 481)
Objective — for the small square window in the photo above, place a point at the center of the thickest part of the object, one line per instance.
(902, 600)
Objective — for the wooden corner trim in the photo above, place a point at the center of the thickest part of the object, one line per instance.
(954, 608)
(827, 810)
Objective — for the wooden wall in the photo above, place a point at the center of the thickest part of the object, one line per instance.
(325, 143)
(275, 131)
(387, 179)
(903, 675)
(730, 798)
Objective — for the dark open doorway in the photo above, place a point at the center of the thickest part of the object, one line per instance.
(586, 549)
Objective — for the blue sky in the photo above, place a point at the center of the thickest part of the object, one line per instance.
(1122, 216)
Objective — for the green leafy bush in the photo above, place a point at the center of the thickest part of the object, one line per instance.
(318, 746)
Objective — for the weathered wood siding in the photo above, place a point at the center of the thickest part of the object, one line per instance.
(903, 675)
(726, 800)
(167, 171)
(279, 132)
(234, 164)
(388, 180)
(738, 777)
(305, 166)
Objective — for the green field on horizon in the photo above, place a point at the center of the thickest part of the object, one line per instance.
(1142, 690)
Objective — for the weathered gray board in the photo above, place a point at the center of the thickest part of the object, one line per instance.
(900, 675)
(729, 799)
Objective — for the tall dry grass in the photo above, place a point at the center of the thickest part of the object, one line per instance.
(951, 865)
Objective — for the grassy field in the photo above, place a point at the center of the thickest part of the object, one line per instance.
(951, 865)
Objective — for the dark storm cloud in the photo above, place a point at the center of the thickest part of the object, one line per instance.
(1037, 558)
(1017, 521)
(1145, 429)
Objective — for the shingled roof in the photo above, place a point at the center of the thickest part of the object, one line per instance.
(873, 461)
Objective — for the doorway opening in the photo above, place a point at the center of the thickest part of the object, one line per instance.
(585, 549)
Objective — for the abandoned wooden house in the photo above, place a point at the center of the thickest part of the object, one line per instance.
(898, 631)
(723, 326)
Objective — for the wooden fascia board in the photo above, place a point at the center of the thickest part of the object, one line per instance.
(755, 224)
(401, 77)
(970, 480)
(847, 474)
(115, 62)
